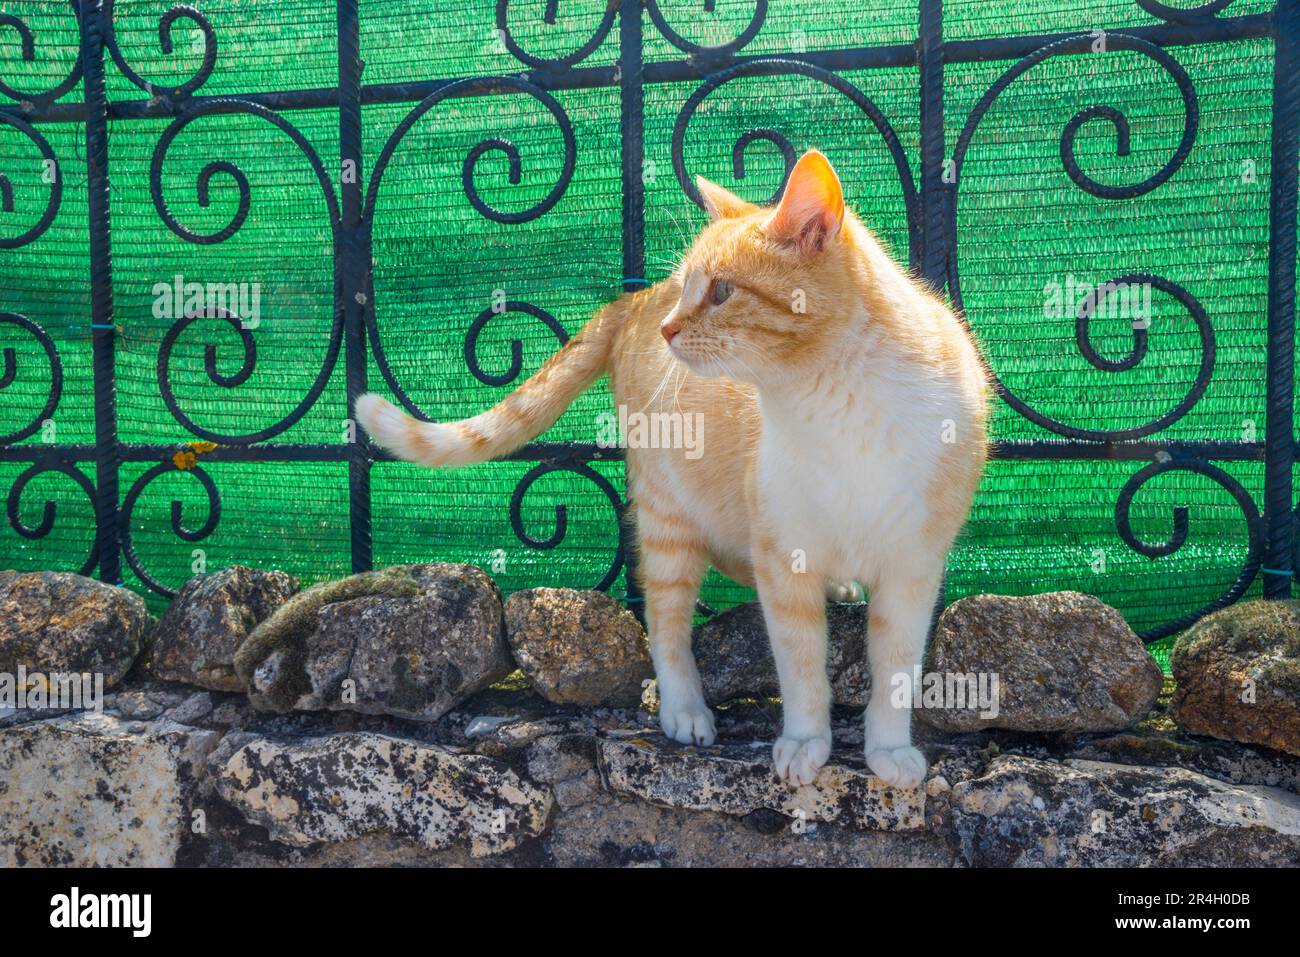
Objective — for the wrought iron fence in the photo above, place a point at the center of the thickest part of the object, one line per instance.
(931, 196)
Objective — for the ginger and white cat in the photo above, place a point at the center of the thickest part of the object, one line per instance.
(844, 409)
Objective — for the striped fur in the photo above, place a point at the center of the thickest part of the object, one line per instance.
(518, 418)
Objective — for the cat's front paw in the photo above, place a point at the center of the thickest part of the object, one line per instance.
(689, 726)
(683, 713)
(898, 767)
(797, 760)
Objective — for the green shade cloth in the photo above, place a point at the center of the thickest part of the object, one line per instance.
(1024, 228)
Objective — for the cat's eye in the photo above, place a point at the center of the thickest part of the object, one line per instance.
(722, 291)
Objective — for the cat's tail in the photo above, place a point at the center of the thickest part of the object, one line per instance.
(521, 416)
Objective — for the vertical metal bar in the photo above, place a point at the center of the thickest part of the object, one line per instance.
(351, 267)
(107, 450)
(1279, 454)
(934, 192)
(633, 144)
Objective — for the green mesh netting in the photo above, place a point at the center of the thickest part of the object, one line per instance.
(1037, 525)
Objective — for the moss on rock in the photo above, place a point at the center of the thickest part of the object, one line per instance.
(280, 642)
(1238, 674)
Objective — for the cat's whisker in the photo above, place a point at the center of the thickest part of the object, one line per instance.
(681, 231)
(649, 403)
(662, 385)
(677, 393)
(677, 225)
(670, 265)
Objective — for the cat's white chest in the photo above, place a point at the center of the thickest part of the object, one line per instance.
(846, 485)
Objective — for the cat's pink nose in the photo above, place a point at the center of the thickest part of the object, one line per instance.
(668, 329)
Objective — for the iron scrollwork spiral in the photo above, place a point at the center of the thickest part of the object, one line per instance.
(7, 190)
(561, 512)
(1075, 45)
(779, 67)
(777, 139)
(471, 87)
(177, 519)
(477, 86)
(1086, 309)
(27, 50)
(249, 359)
(1083, 44)
(165, 24)
(549, 16)
(741, 40)
(1178, 536)
(9, 372)
(228, 107)
(516, 347)
(49, 512)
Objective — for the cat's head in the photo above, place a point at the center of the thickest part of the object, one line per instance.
(765, 290)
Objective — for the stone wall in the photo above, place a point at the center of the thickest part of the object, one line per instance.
(558, 765)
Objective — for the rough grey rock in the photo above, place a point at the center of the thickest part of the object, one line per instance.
(1025, 812)
(1221, 759)
(92, 790)
(412, 641)
(594, 787)
(1064, 661)
(578, 647)
(567, 764)
(61, 622)
(512, 736)
(346, 786)
(1238, 675)
(735, 658)
(486, 724)
(145, 700)
(738, 780)
(632, 833)
(209, 619)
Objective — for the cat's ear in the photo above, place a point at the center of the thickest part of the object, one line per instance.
(811, 210)
(721, 203)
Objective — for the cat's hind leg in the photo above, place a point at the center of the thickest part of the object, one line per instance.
(902, 602)
(673, 561)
